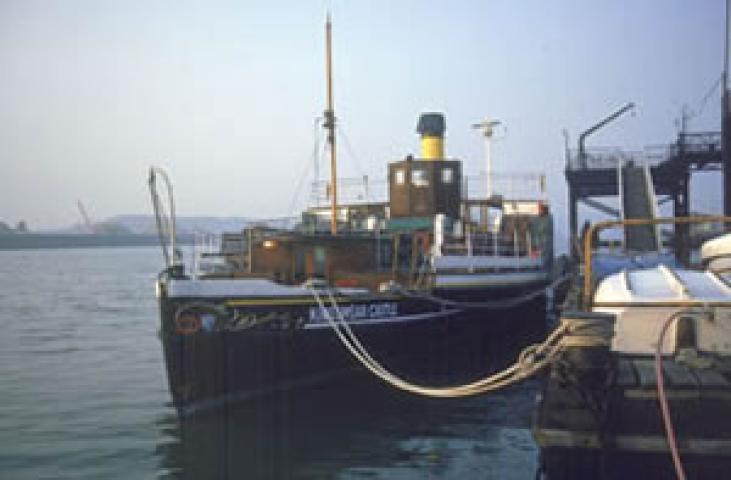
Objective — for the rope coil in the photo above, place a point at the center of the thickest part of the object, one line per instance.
(502, 304)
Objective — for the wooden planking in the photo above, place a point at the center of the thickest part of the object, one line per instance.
(675, 374)
(645, 372)
(678, 375)
(631, 442)
(711, 378)
(626, 376)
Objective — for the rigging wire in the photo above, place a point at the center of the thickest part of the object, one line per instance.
(355, 160)
(701, 105)
(704, 101)
(351, 152)
(314, 162)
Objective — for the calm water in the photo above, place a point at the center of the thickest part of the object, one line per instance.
(83, 395)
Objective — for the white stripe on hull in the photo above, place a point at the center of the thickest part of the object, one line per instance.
(377, 321)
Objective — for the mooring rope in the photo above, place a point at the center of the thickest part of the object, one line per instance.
(501, 304)
(531, 360)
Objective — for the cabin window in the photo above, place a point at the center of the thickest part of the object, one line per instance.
(447, 175)
(419, 178)
(299, 265)
(319, 261)
(400, 177)
(384, 255)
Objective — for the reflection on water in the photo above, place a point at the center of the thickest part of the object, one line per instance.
(359, 429)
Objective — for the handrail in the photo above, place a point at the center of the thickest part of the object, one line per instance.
(170, 258)
(594, 230)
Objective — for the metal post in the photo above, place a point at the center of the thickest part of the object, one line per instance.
(330, 127)
(683, 210)
(594, 128)
(726, 120)
(249, 248)
(487, 128)
(573, 222)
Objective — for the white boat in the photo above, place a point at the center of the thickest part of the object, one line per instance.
(643, 300)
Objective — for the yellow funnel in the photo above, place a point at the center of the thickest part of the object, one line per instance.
(431, 128)
(432, 148)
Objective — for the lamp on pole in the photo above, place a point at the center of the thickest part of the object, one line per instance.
(487, 128)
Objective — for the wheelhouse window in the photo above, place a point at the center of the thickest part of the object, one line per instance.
(447, 175)
(400, 176)
(419, 178)
(319, 261)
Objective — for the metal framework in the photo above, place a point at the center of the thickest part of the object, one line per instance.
(592, 174)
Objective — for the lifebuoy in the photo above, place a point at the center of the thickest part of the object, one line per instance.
(187, 324)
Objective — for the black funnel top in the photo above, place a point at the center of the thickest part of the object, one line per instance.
(431, 124)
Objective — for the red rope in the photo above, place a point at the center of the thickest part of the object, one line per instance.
(669, 430)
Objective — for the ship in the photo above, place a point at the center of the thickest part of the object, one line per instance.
(419, 281)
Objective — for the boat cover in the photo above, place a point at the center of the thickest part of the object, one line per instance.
(643, 299)
(716, 253)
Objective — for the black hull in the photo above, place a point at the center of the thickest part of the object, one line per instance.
(424, 343)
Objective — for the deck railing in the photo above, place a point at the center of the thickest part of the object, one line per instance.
(491, 245)
(599, 158)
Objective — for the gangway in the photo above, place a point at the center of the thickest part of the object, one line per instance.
(638, 201)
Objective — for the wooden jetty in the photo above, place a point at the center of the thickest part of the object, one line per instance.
(649, 395)
(602, 420)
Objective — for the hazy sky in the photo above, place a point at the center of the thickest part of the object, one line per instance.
(224, 94)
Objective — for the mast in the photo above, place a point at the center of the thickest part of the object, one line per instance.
(329, 125)
(487, 128)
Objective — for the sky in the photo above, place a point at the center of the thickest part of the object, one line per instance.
(224, 95)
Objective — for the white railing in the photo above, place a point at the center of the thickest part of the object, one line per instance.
(523, 185)
(351, 191)
(360, 190)
(206, 254)
(491, 245)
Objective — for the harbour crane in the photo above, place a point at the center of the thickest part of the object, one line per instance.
(86, 222)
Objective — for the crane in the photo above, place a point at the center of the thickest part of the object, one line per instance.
(86, 222)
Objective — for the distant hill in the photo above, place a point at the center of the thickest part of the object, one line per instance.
(145, 224)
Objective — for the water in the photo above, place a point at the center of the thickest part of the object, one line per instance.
(83, 395)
